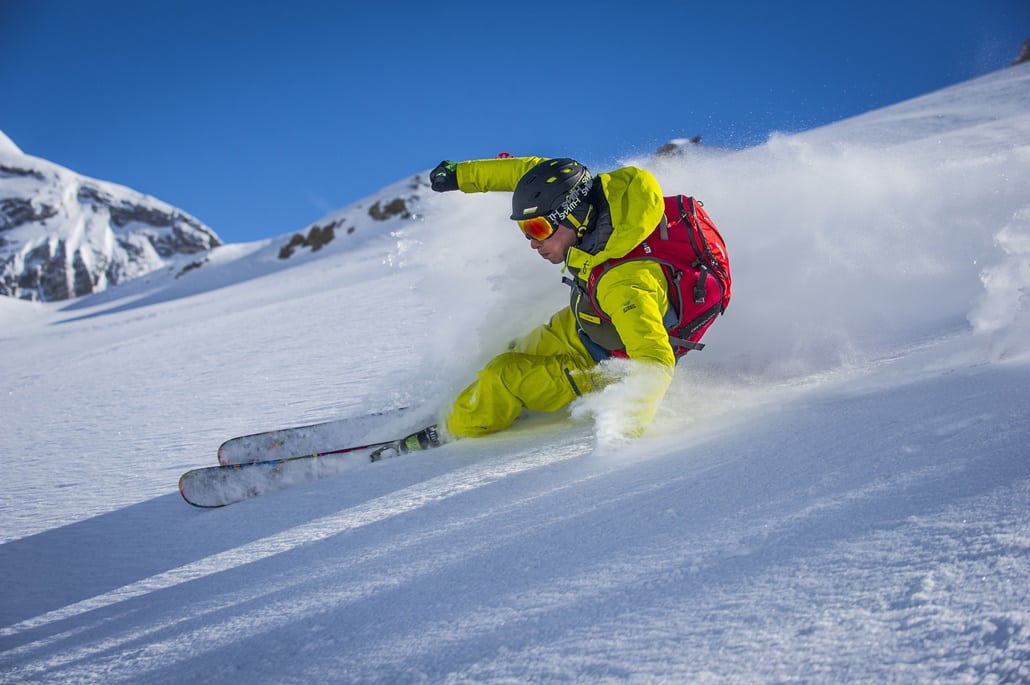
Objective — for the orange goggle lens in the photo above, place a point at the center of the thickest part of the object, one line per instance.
(537, 228)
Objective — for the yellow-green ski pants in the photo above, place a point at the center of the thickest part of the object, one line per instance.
(542, 371)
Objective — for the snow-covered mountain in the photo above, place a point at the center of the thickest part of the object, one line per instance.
(837, 488)
(63, 235)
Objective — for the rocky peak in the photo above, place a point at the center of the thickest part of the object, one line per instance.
(63, 235)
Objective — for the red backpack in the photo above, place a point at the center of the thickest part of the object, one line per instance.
(693, 255)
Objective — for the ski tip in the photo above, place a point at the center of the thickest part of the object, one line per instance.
(182, 487)
(184, 482)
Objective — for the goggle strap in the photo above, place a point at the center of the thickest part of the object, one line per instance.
(580, 227)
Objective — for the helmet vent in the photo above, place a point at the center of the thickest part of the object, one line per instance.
(553, 186)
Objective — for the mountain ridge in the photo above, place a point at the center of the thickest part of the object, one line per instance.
(64, 235)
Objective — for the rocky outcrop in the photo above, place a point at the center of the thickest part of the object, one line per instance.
(1024, 53)
(677, 146)
(316, 238)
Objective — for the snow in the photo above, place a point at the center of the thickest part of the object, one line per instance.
(7, 146)
(836, 490)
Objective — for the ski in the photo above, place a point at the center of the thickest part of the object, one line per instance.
(218, 486)
(312, 439)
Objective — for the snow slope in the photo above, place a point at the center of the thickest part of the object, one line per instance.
(837, 489)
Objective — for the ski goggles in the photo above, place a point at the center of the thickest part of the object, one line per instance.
(543, 227)
(538, 228)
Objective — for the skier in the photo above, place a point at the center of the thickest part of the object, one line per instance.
(649, 276)
(591, 223)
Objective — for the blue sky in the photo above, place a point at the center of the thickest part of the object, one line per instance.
(262, 117)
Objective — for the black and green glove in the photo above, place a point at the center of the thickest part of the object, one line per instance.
(444, 177)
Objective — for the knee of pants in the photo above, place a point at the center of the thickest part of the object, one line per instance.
(541, 383)
(511, 382)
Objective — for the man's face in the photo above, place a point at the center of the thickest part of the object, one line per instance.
(554, 248)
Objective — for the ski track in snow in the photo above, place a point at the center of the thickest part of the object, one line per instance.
(839, 496)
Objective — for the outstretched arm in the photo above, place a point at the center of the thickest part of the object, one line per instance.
(481, 175)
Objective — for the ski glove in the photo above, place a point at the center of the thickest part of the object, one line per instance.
(444, 177)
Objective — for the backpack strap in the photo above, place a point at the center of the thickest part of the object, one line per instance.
(663, 228)
(707, 263)
(689, 344)
(699, 285)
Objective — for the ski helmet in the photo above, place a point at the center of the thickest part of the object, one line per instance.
(552, 188)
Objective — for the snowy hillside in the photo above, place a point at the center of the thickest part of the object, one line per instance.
(837, 489)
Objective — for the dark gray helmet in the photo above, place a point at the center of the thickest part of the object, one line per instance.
(553, 187)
